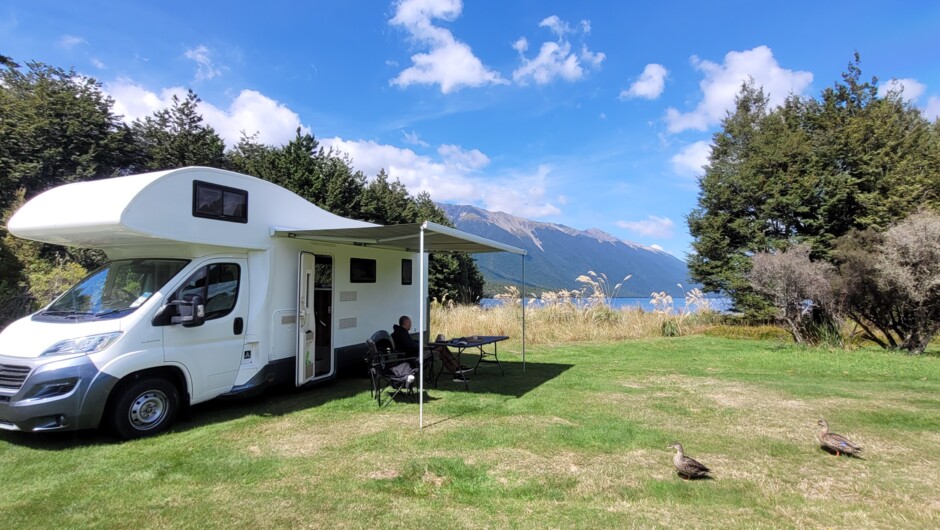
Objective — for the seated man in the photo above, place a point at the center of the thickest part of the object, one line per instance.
(401, 334)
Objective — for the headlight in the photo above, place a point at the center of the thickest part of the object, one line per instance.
(82, 345)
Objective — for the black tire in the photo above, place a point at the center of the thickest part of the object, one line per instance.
(143, 408)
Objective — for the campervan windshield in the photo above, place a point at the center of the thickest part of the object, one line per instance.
(114, 290)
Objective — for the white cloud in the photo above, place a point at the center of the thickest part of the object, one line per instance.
(70, 41)
(205, 69)
(250, 111)
(649, 85)
(555, 60)
(593, 59)
(652, 226)
(689, 161)
(412, 138)
(453, 177)
(523, 195)
(910, 89)
(932, 112)
(449, 63)
(464, 161)
(97, 63)
(556, 25)
(657, 247)
(133, 101)
(722, 82)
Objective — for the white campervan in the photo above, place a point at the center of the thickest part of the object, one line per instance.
(207, 292)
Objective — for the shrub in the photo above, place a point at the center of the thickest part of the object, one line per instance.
(890, 282)
(800, 291)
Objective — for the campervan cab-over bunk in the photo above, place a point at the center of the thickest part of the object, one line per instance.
(206, 293)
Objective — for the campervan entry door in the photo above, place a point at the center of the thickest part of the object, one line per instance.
(315, 357)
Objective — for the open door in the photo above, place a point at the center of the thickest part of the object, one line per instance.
(315, 358)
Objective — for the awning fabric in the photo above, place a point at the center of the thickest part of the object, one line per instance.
(437, 238)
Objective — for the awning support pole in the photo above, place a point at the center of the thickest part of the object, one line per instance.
(523, 312)
(421, 303)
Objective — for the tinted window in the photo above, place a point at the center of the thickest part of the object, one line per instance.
(217, 284)
(222, 203)
(361, 270)
(406, 272)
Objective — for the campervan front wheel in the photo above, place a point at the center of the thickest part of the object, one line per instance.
(144, 408)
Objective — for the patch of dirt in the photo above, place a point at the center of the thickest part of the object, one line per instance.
(435, 480)
(596, 475)
(384, 474)
(290, 436)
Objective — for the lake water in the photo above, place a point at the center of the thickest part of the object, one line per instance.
(721, 304)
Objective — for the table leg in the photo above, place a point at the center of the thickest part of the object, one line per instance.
(494, 355)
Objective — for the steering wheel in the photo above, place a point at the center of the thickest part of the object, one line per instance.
(124, 295)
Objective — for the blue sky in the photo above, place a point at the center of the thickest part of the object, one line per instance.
(589, 114)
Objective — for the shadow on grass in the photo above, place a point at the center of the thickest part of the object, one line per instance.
(515, 382)
(694, 479)
(286, 399)
(832, 452)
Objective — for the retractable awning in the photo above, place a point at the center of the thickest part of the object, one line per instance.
(407, 237)
(422, 238)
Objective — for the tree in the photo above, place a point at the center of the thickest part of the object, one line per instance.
(30, 275)
(56, 127)
(177, 137)
(807, 172)
(251, 157)
(388, 203)
(321, 176)
(342, 188)
(728, 224)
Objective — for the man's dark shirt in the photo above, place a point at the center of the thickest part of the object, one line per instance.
(403, 340)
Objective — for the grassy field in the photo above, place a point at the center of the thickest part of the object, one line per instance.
(576, 441)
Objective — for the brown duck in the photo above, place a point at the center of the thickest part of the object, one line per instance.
(838, 443)
(687, 467)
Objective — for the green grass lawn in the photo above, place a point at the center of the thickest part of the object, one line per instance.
(577, 440)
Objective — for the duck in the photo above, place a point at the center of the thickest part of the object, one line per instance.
(687, 467)
(836, 442)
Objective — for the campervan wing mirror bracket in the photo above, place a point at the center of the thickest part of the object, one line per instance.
(190, 312)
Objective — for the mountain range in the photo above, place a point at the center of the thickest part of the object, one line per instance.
(558, 254)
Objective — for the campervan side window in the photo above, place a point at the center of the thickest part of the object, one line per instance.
(406, 272)
(217, 284)
(222, 203)
(361, 270)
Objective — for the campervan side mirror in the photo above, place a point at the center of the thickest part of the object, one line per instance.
(190, 312)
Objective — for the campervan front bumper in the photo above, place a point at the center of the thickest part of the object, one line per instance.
(61, 395)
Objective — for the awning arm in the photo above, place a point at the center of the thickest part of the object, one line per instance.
(453, 232)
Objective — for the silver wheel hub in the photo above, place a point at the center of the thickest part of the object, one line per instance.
(148, 410)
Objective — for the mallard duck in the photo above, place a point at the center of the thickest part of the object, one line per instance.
(838, 443)
(687, 467)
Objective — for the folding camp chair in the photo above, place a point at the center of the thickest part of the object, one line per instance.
(385, 344)
(387, 373)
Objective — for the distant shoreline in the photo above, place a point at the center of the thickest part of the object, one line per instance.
(721, 304)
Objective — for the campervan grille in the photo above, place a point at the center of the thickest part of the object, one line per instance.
(12, 376)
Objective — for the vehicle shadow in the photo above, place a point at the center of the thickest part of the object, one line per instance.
(286, 399)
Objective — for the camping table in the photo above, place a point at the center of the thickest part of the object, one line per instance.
(468, 343)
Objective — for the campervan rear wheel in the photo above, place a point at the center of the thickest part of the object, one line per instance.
(144, 408)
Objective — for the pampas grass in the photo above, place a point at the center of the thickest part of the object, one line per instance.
(563, 317)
